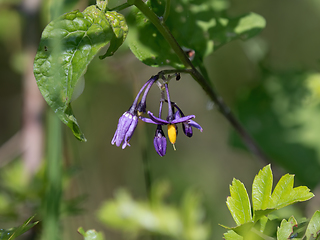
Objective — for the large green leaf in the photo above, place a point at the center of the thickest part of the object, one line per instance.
(313, 229)
(196, 25)
(12, 233)
(239, 203)
(67, 46)
(286, 228)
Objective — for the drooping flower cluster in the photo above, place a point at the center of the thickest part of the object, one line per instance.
(129, 120)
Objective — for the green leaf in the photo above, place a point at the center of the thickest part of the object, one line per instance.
(12, 233)
(261, 189)
(147, 44)
(126, 214)
(239, 203)
(120, 29)
(284, 194)
(68, 44)
(313, 229)
(232, 235)
(196, 25)
(134, 216)
(91, 234)
(242, 229)
(286, 228)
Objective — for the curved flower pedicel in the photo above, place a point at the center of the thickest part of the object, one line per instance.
(128, 121)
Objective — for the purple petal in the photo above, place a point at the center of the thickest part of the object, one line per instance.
(177, 115)
(194, 124)
(157, 120)
(187, 129)
(183, 119)
(147, 120)
(123, 126)
(130, 131)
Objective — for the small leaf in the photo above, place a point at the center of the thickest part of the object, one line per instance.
(12, 233)
(286, 228)
(239, 203)
(232, 235)
(313, 229)
(91, 234)
(284, 194)
(261, 189)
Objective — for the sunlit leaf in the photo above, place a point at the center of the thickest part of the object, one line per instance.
(261, 189)
(286, 228)
(284, 193)
(239, 203)
(313, 229)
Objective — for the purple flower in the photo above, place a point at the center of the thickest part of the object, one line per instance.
(160, 141)
(128, 121)
(126, 126)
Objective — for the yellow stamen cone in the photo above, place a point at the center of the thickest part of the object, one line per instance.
(172, 133)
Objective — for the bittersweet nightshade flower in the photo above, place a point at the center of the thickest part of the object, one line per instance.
(128, 121)
(173, 119)
(160, 141)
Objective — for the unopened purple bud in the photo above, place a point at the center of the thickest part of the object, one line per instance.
(126, 126)
(160, 141)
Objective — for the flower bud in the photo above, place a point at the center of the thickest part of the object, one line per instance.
(160, 141)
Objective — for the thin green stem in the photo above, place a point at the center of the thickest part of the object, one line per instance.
(205, 84)
(147, 172)
(51, 223)
(166, 11)
(121, 7)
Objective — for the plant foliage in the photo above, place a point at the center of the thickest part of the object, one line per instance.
(265, 201)
(12, 233)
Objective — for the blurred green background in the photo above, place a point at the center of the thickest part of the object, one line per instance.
(271, 82)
